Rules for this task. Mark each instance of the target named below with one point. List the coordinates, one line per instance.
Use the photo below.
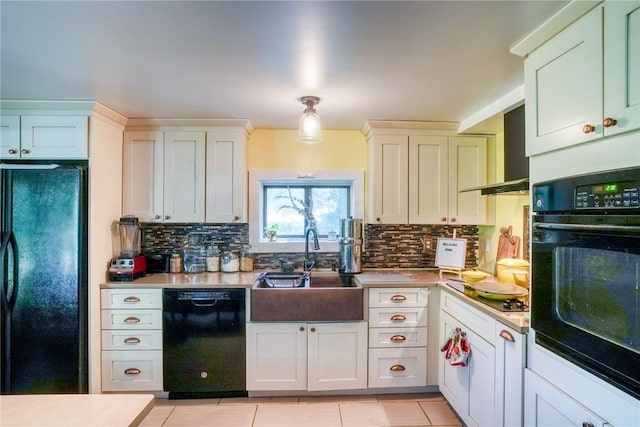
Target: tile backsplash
(385, 246)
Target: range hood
(516, 164)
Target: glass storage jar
(229, 262)
(213, 259)
(246, 258)
(194, 254)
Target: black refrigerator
(43, 274)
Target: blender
(129, 264)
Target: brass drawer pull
(398, 317)
(398, 298)
(506, 335)
(132, 299)
(397, 368)
(131, 319)
(132, 340)
(398, 338)
(132, 371)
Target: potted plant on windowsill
(271, 233)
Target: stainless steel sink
(278, 280)
(316, 296)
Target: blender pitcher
(129, 237)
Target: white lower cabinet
(131, 339)
(488, 391)
(397, 337)
(306, 356)
(547, 405)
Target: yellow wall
(270, 149)
(508, 212)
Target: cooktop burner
(506, 305)
(509, 305)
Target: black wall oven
(585, 290)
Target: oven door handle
(587, 227)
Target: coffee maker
(128, 264)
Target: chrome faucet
(308, 264)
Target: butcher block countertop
(69, 410)
(367, 279)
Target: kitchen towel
(457, 349)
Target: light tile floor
(397, 410)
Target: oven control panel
(609, 195)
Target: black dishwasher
(204, 343)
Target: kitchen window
(278, 200)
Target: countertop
(366, 279)
(99, 410)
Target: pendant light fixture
(309, 127)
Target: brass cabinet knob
(453, 220)
(301, 328)
(378, 219)
(609, 122)
(13, 151)
(588, 128)
(167, 217)
(157, 217)
(313, 329)
(25, 151)
(443, 219)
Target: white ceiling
(384, 60)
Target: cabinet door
(143, 175)
(337, 356)
(428, 175)
(467, 168)
(226, 177)
(545, 405)
(54, 137)
(453, 381)
(9, 137)
(184, 176)
(563, 87)
(388, 184)
(622, 66)
(471, 389)
(276, 356)
(510, 362)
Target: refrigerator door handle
(28, 166)
(9, 291)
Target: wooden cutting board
(508, 247)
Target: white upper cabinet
(388, 179)
(226, 177)
(143, 170)
(583, 84)
(185, 173)
(44, 137)
(164, 176)
(622, 66)
(415, 177)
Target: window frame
(258, 179)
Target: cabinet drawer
(132, 319)
(395, 367)
(398, 337)
(127, 298)
(474, 319)
(145, 339)
(132, 370)
(398, 297)
(397, 317)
